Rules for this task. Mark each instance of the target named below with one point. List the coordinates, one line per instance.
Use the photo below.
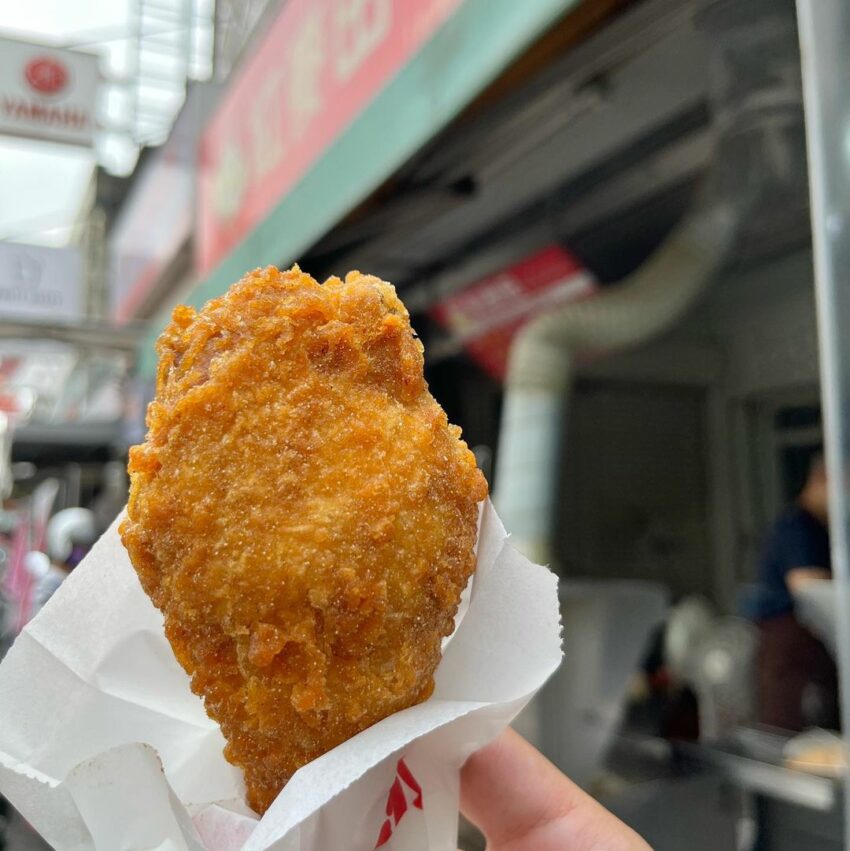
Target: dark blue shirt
(797, 539)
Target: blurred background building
(598, 216)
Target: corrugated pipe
(541, 359)
(756, 107)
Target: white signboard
(47, 92)
(42, 284)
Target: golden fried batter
(302, 513)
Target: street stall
(602, 233)
(618, 228)
(678, 451)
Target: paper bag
(103, 746)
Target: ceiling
(600, 150)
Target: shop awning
(454, 49)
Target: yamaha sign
(47, 93)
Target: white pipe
(539, 371)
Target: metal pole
(824, 27)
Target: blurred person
(797, 678)
(521, 802)
(46, 575)
(7, 526)
(70, 534)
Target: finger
(520, 801)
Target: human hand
(521, 802)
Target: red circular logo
(46, 75)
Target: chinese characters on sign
(319, 66)
(487, 314)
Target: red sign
(320, 64)
(487, 314)
(47, 92)
(404, 786)
(46, 75)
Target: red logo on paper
(397, 801)
(46, 75)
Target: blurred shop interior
(605, 246)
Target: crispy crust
(302, 514)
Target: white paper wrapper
(103, 746)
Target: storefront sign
(158, 215)
(42, 284)
(47, 93)
(486, 315)
(151, 228)
(319, 66)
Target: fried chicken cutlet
(302, 513)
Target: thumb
(520, 801)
